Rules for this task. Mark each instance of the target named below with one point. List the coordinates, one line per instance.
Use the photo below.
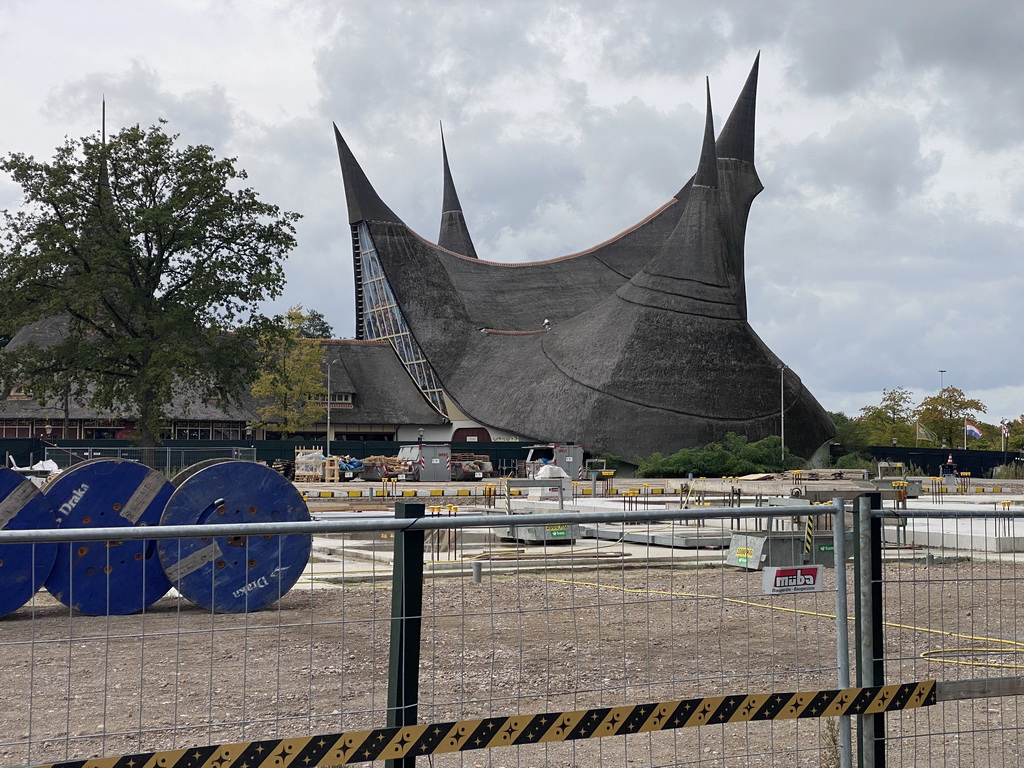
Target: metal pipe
(842, 628)
(866, 655)
(376, 524)
(782, 411)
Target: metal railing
(169, 461)
(382, 634)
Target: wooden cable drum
(235, 574)
(23, 566)
(103, 578)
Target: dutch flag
(971, 430)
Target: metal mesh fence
(952, 588)
(169, 461)
(513, 627)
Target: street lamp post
(782, 411)
(327, 450)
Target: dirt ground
(522, 641)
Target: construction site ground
(76, 706)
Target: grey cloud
(874, 157)
(136, 95)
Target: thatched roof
(382, 391)
(648, 348)
(454, 234)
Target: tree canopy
(315, 326)
(291, 383)
(937, 421)
(149, 260)
(945, 413)
(891, 420)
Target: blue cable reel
(234, 574)
(23, 566)
(103, 578)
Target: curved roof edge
(364, 204)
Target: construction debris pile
(392, 464)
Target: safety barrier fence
(169, 461)
(592, 649)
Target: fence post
(406, 618)
(842, 628)
(869, 622)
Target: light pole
(327, 450)
(941, 372)
(782, 410)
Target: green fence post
(406, 618)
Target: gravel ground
(522, 642)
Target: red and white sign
(792, 579)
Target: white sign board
(792, 579)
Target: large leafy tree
(944, 414)
(315, 326)
(289, 387)
(892, 419)
(149, 258)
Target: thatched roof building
(640, 344)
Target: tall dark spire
(707, 168)
(105, 197)
(689, 273)
(454, 234)
(737, 139)
(363, 202)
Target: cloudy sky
(885, 247)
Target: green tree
(852, 438)
(288, 389)
(150, 259)
(1015, 440)
(315, 326)
(891, 420)
(944, 414)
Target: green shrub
(734, 456)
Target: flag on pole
(1005, 424)
(923, 433)
(971, 430)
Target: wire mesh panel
(170, 461)
(537, 621)
(953, 585)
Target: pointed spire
(105, 198)
(737, 139)
(363, 202)
(454, 234)
(451, 197)
(707, 168)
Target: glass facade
(382, 319)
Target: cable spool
(102, 578)
(190, 470)
(23, 567)
(235, 574)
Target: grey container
(755, 551)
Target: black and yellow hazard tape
(466, 735)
